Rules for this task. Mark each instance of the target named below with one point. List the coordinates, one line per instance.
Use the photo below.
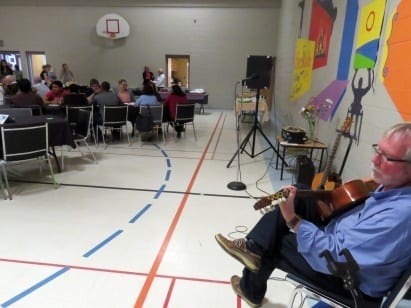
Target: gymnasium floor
(137, 228)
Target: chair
(114, 118)
(72, 113)
(185, 115)
(306, 289)
(17, 112)
(83, 130)
(157, 118)
(33, 144)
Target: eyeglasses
(386, 158)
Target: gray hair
(403, 130)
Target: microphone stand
(237, 185)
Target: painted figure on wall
(359, 91)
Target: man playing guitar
(292, 236)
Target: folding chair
(19, 112)
(305, 289)
(114, 118)
(83, 130)
(24, 143)
(72, 113)
(156, 112)
(184, 116)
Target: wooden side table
(304, 146)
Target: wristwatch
(293, 222)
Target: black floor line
(135, 189)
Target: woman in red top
(177, 96)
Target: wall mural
(303, 67)
(396, 54)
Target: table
(250, 106)
(309, 145)
(59, 131)
(199, 98)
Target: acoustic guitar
(326, 180)
(334, 202)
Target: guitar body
(331, 183)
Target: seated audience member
(94, 89)
(10, 88)
(39, 87)
(292, 236)
(104, 98)
(5, 69)
(26, 97)
(147, 74)
(55, 95)
(148, 96)
(160, 81)
(124, 93)
(176, 96)
(74, 98)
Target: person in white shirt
(39, 87)
(160, 81)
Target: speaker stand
(252, 133)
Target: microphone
(253, 76)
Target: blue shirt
(147, 100)
(377, 233)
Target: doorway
(35, 62)
(178, 70)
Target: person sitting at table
(176, 96)
(94, 89)
(148, 97)
(74, 97)
(104, 98)
(26, 97)
(39, 87)
(10, 88)
(124, 93)
(55, 95)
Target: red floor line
(170, 291)
(107, 270)
(154, 268)
(219, 135)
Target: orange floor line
(154, 268)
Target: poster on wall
(369, 33)
(321, 27)
(303, 63)
(397, 64)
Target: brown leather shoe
(235, 284)
(238, 249)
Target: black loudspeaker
(304, 170)
(259, 72)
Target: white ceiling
(148, 3)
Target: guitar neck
(330, 161)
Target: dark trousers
(279, 247)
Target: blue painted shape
(103, 243)
(347, 41)
(168, 161)
(157, 195)
(138, 215)
(168, 175)
(35, 287)
(369, 49)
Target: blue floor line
(35, 287)
(98, 246)
(168, 162)
(137, 216)
(168, 175)
(157, 195)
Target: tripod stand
(252, 133)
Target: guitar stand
(252, 133)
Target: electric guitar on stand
(326, 180)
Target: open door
(178, 70)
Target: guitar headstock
(267, 204)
